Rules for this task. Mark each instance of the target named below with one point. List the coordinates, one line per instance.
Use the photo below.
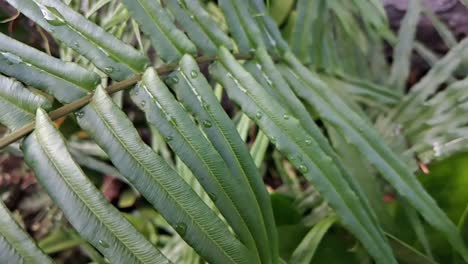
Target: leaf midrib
(84, 201)
(169, 194)
(358, 219)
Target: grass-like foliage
(323, 110)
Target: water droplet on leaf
(194, 74)
(52, 15)
(259, 115)
(181, 228)
(103, 243)
(213, 197)
(79, 114)
(11, 58)
(286, 117)
(303, 169)
(109, 69)
(207, 123)
(273, 140)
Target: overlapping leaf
(229, 192)
(15, 244)
(168, 40)
(197, 96)
(64, 80)
(360, 133)
(85, 207)
(18, 104)
(160, 184)
(109, 54)
(285, 131)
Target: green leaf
(159, 183)
(230, 193)
(18, 104)
(64, 80)
(272, 81)
(271, 34)
(285, 131)
(280, 9)
(15, 244)
(170, 43)
(59, 240)
(408, 109)
(109, 54)
(199, 26)
(307, 12)
(360, 133)
(373, 92)
(197, 96)
(196, 33)
(402, 54)
(408, 254)
(243, 27)
(84, 206)
(306, 249)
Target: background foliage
(361, 160)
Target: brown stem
(118, 86)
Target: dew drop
(194, 74)
(192, 17)
(308, 141)
(175, 79)
(52, 15)
(213, 197)
(79, 114)
(12, 58)
(76, 44)
(303, 169)
(181, 228)
(106, 260)
(286, 117)
(207, 123)
(143, 103)
(109, 69)
(273, 140)
(169, 138)
(259, 115)
(103, 243)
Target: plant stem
(111, 89)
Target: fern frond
(159, 183)
(109, 54)
(64, 80)
(15, 244)
(286, 133)
(18, 104)
(85, 207)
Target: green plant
(213, 195)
